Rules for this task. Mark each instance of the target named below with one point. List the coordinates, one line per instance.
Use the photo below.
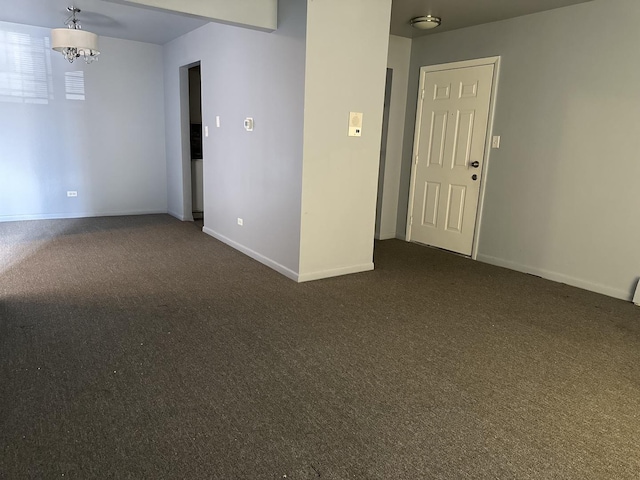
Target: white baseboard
(307, 277)
(179, 216)
(387, 235)
(556, 277)
(62, 216)
(287, 272)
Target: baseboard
(557, 277)
(307, 277)
(62, 216)
(287, 272)
(387, 235)
(179, 216)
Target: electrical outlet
(240, 222)
(72, 193)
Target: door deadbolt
(475, 164)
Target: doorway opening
(383, 151)
(195, 143)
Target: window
(25, 68)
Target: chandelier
(73, 42)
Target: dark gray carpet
(139, 347)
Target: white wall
(562, 192)
(345, 71)
(261, 14)
(107, 143)
(398, 59)
(255, 176)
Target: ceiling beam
(259, 14)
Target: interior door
(451, 130)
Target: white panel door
(451, 130)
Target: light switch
(206, 131)
(496, 142)
(248, 124)
(355, 124)
(217, 121)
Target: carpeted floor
(139, 347)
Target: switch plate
(217, 121)
(248, 124)
(72, 193)
(206, 131)
(240, 222)
(355, 124)
(496, 142)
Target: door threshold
(442, 249)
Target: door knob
(474, 177)
(475, 164)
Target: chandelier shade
(73, 42)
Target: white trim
(335, 272)
(487, 156)
(287, 272)
(416, 136)
(253, 254)
(495, 61)
(62, 216)
(185, 140)
(387, 235)
(476, 62)
(556, 277)
(179, 216)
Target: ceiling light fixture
(426, 22)
(73, 42)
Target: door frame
(386, 114)
(185, 140)
(495, 61)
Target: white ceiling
(464, 13)
(114, 19)
(103, 18)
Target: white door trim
(487, 150)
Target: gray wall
(97, 129)
(345, 71)
(562, 192)
(398, 59)
(255, 176)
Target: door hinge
(416, 160)
(422, 94)
(410, 220)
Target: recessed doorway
(195, 142)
